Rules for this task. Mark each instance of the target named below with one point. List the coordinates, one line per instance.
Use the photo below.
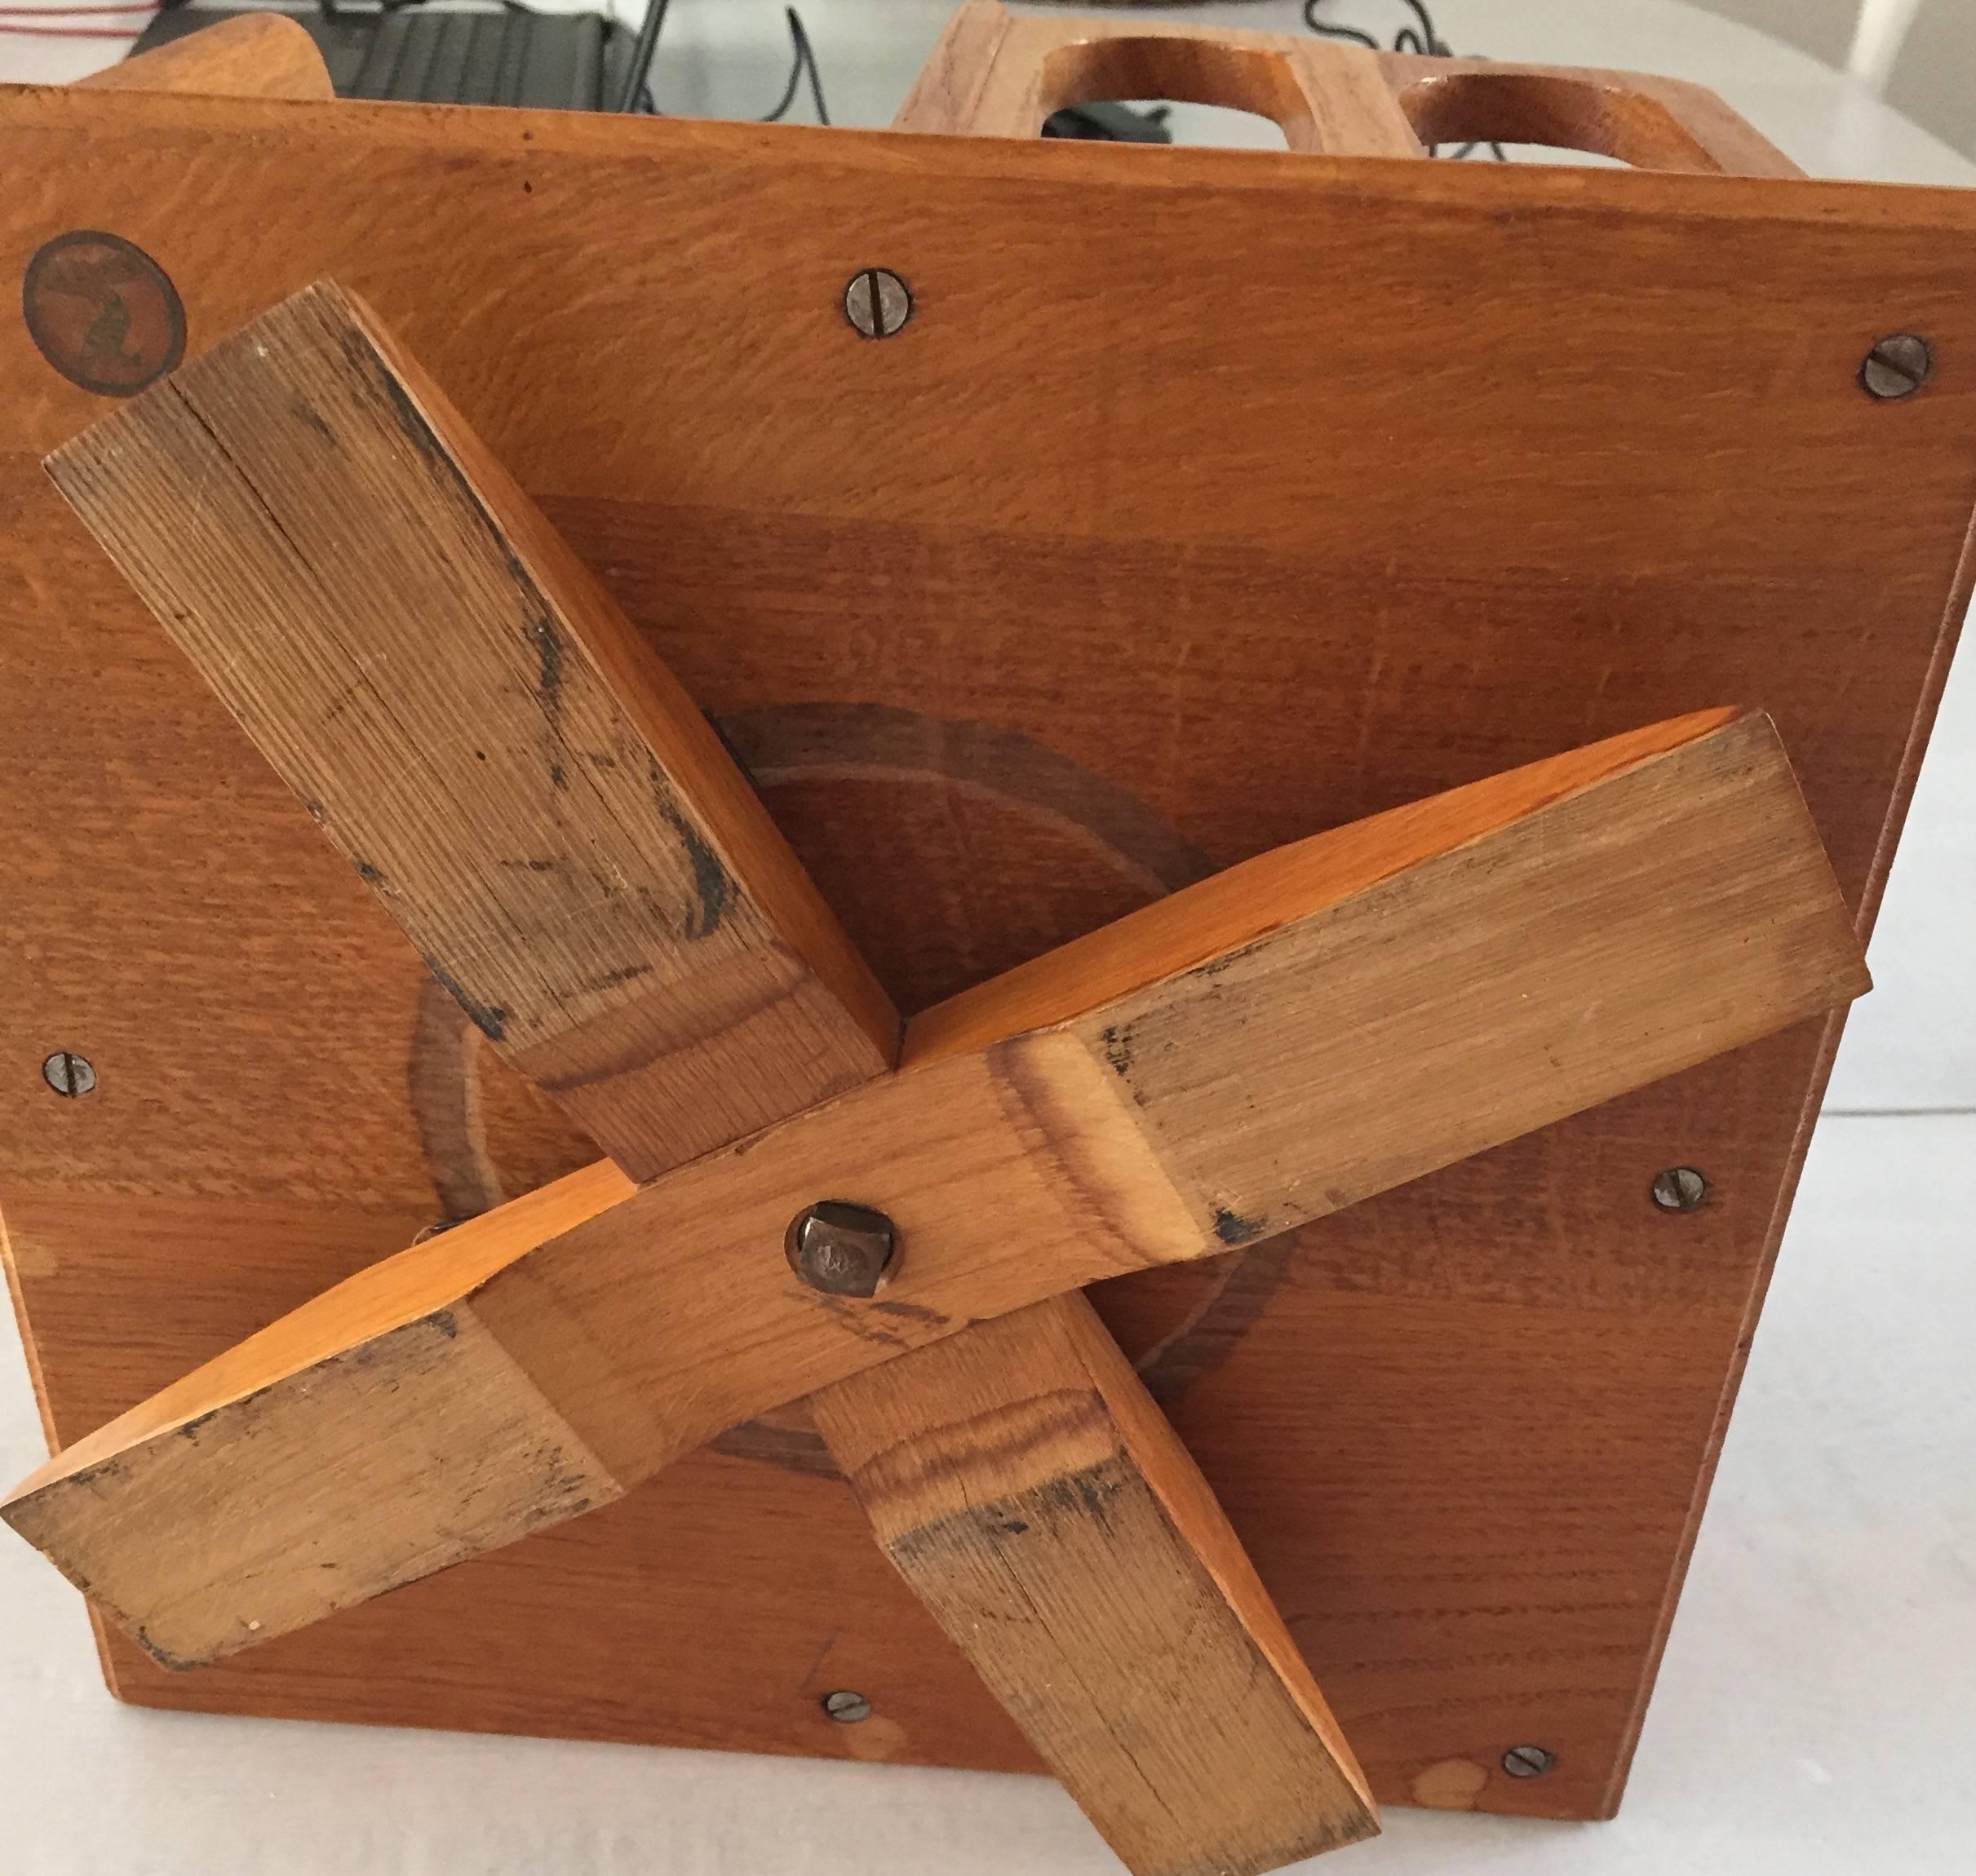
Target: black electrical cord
(805, 61)
(1423, 39)
(638, 92)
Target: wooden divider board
(1210, 499)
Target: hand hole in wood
(1567, 112)
(1186, 71)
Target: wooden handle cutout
(1566, 113)
(1652, 123)
(1188, 71)
(996, 74)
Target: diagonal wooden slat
(1043, 1472)
(543, 809)
(1301, 1032)
(469, 717)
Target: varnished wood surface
(999, 74)
(254, 56)
(1630, 478)
(1647, 121)
(1404, 995)
(1051, 1520)
(535, 799)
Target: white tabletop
(1816, 1714)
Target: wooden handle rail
(999, 74)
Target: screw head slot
(69, 1074)
(877, 302)
(1679, 1188)
(1898, 366)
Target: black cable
(805, 61)
(1427, 42)
(1355, 34)
(640, 93)
(1423, 39)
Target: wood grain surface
(1191, 515)
(252, 55)
(472, 720)
(538, 802)
(994, 73)
(1265, 1048)
(1050, 1506)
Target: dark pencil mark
(489, 1018)
(710, 883)
(549, 655)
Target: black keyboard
(558, 61)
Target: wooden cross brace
(544, 810)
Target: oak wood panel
(255, 55)
(1048, 1505)
(321, 432)
(1522, 950)
(1046, 614)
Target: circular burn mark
(102, 312)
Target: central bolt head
(841, 1248)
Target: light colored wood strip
(1249, 901)
(1608, 931)
(252, 56)
(945, 95)
(475, 724)
(1052, 1521)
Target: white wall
(1934, 76)
(1824, 28)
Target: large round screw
(69, 1074)
(1679, 1188)
(846, 1707)
(877, 302)
(1528, 1761)
(841, 1248)
(1897, 366)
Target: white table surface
(1816, 1713)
